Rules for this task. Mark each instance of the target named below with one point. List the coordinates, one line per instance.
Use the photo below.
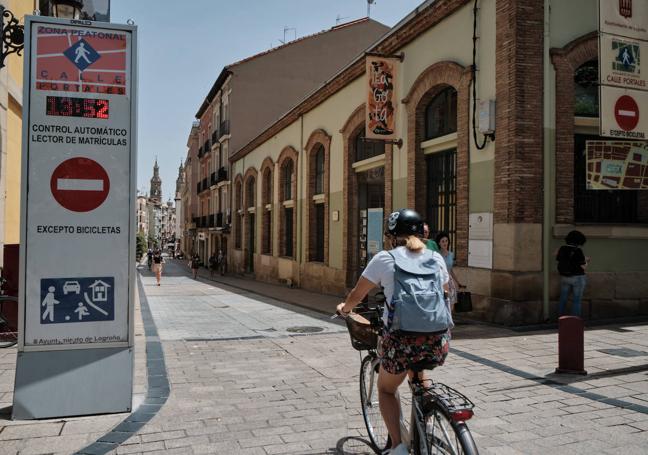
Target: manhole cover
(624, 352)
(304, 329)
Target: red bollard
(571, 345)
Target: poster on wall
(617, 165)
(380, 121)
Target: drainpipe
(299, 214)
(548, 140)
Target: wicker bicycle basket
(364, 335)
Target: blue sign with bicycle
(66, 300)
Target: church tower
(179, 180)
(156, 184)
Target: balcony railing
(224, 127)
(219, 220)
(203, 221)
(199, 187)
(196, 221)
(207, 146)
(205, 184)
(200, 152)
(222, 174)
(212, 220)
(215, 136)
(213, 180)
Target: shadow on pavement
(353, 445)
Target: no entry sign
(621, 113)
(80, 184)
(626, 112)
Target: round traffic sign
(80, 184)
(626, 112)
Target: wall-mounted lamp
(13, 35)
(67, 9)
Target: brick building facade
(507, 202)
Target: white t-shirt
(380, 269)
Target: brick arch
(267, 197)
(317, 137)
(288, 153)
(428, 84)
(250, 173)
(566, 61)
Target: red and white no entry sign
(80, 184)
(626, 112)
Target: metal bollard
(571, 345)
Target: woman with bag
(443, 240)
(195, 265)
(158, 260)
(401, 348)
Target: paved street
(245, 379)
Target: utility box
(486, 116)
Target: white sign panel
(624, 113)
(627, 18)
(620, 62)
(480, 254)
(77, 218)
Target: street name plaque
(77, 272)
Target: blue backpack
(418, 305)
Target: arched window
(238, 195)
(266, 241)
(441, 114)
(287, 171)
(365, 149)
(595, 206)
(586, 90)
(319, 170)
(251, 193)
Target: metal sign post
(77, 253)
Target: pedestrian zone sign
(77, 257)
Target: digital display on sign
(65, 106)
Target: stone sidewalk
(236, 389)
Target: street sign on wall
(624, 113)
(78, 177)
(627, 18)
(621, 62)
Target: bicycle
(438, 411)
(8, 334)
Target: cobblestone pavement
(243, 383)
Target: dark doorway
(250, 243)
(441, 204)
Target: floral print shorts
(399, 351)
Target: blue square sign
(82, 54)
(67, 300)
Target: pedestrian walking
(149, 258)
(213, 265)
(412, 333)
(443, 241)
(222, 262)
(158, 260)
(572, 263)
(195, 265)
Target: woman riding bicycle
(398, 349)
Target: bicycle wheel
(8, 337)
(370, 409)
(443, 436)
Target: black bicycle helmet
(405, 222)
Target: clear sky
(184, 44)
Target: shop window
(441, 114)
(366, 148)
(586, 89)
(599, 206)
(288, 232)
(442, 194)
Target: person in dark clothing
(571, 266)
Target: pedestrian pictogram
(82, 54)
(80, 184)
(626, 112)
(95, 300)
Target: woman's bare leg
(389, 406)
